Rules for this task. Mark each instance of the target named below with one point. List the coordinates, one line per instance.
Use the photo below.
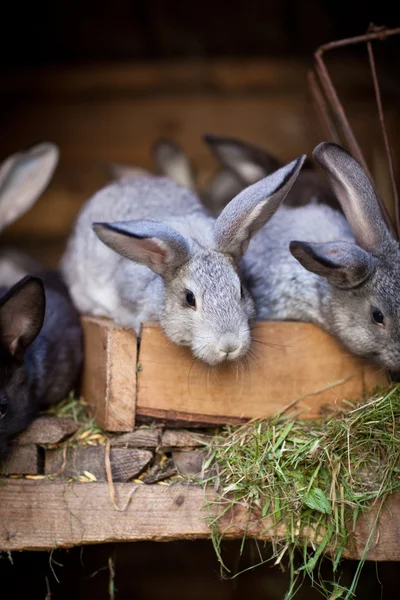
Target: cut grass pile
(315, 478)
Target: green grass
(314, 477)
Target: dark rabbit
(40, 351)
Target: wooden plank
(172, 438)
(125, 463)
(22, 460)
(47, 430)
(109, 377)
(297, 362)
(233, 75)
(140, 438)
(67, 515)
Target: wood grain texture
(297, 362)
(109, 377)
(44, 515)
(125, 463)
(47, 430)
(140, 438)
(22, 460)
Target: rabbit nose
(228, 345)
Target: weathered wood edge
(41, 515)
(173, 418)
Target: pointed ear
(172, 161)
(148, 243)
(249, 162)
(22, 312)
(345, 265)
(252, 208)
(355, 193)
(224, 186)
(23, 177)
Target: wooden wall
(106, 113)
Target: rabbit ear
(118, 171)
(249, 162)
(345, 265)
(224, 186)
(22, 312)
(252, 208)
(23, 177)
(173, 162)
(149, 243)
(355, 193)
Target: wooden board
(296, 363)
(109, 378)
(67, 515)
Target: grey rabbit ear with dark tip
(355, 193)
(22, 312)
(173, 162)
(249, 162)
(252, 208)
(23, 177)
(149, 243)
(345, 265)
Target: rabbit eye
(190, 299)
(377, 316)
(3, 404)
(241, 292)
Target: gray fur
(184, 250)
(329, 280)
(23, 177)
(171, 160)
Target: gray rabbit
(345, 277)
(171, 160)
(23, 178)
(182, 268)
(40, 351)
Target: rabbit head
(205, 306)
(363, 279)
(23, 177)
(22, 311)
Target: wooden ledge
(293, 366)
(40, 515)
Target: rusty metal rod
(321, 108)
(385, 138)
(338, 110)
(339, 113)
(379, 33)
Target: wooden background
(103, 80)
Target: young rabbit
(40, 351)
(181, 268)
(346, 277)
(248, 163)
(172, 161)
(23, 178)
